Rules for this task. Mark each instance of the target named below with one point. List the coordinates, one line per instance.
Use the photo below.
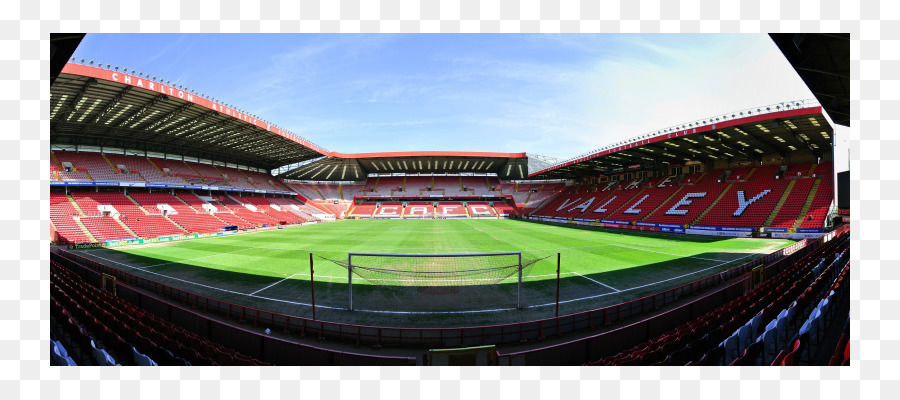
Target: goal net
(435, 282)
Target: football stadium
(187, 231)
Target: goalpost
(437, 282)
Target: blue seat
(791, 319)
(755, 323)
(60, 348)
(825, 307)
(142, 360)
(58, 354)
(770, 345)
(101, 356)
(745, 337)
(781, 328)
(771, 325)
(730, 346)
(814, 330)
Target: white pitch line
(260, 290)
(192, 259)
(216, 288)
(643, 286)
(597, 282)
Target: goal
(436, 282)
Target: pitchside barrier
(514, 333)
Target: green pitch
(271, 270)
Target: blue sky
(557, 95)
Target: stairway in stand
(781, 201)
(138, 205)
(127, 229)
(110, 163)
(716, 201)
(85, 230)
(658, 206)
(186, 203)
(75, 205)
(176, 224)
(807, 204)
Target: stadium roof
(823, 62)
(744, 135)
(339, 166)
(92, 106)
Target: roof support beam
(70, 106)
(146, 107)
(187, 124)
(168, 117)
(112, 104)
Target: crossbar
(436, 255)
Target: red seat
(791, 358)
(223, 358)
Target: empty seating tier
(479, 209)
(450, 209)
(746, 204)
(151, 226)
(365, 209)
(686, 205)
(61, 215)
(105, 228)
(418, 209)
(818, 210)
(790, 210)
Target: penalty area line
(260, 290)
(217, 288)
(597, 282)
(643, 286)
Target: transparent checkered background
(24, 196)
